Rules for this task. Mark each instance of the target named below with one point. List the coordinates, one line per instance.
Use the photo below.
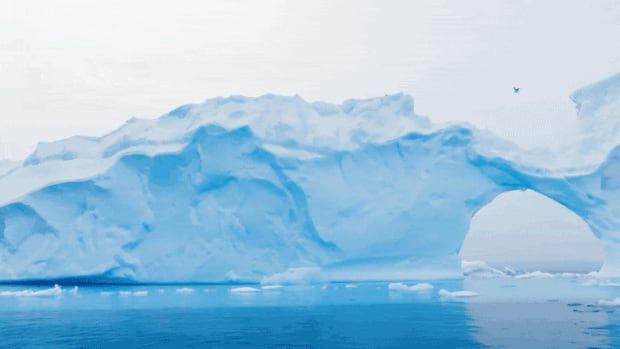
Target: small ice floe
(73, 291)
(324, 287)
(609, 302)
(457, 294)
(49, 292)
(161, 290)
(421, 287)
(350, 286)
(207, 290)
(271, 287)
(124, 293)
(244, 290)
(106, 293)
(184, 290)
(140, 293)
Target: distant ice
(184, 290)
(535, 275)
(350, 286)
(609, 303)
(244, 290)
(421, 287)
(50, 292)
(127, 293)
(457, 294)
(296, 276)
(480, 269)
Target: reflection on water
(510, 313)
(539, 325)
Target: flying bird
(516, 89)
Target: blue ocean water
(546, 313)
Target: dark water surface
(508, 314)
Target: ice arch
(529, 231)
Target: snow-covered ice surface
(278, 190)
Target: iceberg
(276, 190)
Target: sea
(537, 312)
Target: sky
(528, 231)
(84, 67)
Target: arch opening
(525, 231)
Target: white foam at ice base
(50, 292)
(609, 303)
(184, 290)
(421, 287)
(457, 294)
(244, 290)
(350, 286)
(271, 287)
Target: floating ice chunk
(124, 293)
(421, 287)
(161, 290)
(350, 286)
(72, 291)
(50, 292)
(271, 287)
(457, 294)
(184, 290)
(244, 290)
(106, 293)
(140, 293)
(609, 302)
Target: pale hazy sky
(84, 67)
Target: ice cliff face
(220, 209)
(598, 108)
(242, 188)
